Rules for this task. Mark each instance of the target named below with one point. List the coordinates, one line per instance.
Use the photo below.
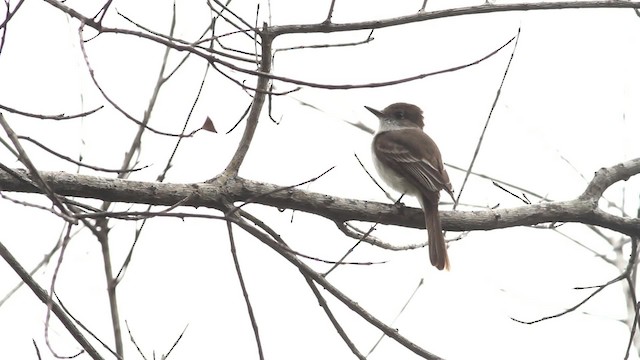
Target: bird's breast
(392, 178)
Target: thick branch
(582, 210)
(606, 177)
(256, 109)
(326, 27)
(329, 27)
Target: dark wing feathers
(401, 148)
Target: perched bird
(409, 161)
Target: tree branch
(582, 210)
(326, 27)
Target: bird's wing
(401, 149)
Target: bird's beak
(375, 112)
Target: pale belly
(392, 178)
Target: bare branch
(354, 306)
(44, 297)
(33, 171)
(334, 208)
(133, 341)
(599, 288)
(321, 300)
(606, 177)
(486, 124)
(175, 343)
(330, 14)
(324, 46)
(420, 16)
(256, 108)
(50, 117)
(83, 327)
(355, 233)
(267, 32)
(8, 16)
(404, 307)
(143, 123)
(332, 318)
(81, 164)
(245, 293)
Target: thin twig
(332, 318)
(108, 98)
(44, 298)
(245, 293)
(374, 179)
(330, 14)
(51, 117)
(633, 330)
(415, 291)
(599, 288)
(35, 174)
(45, 260)
(134, 342)
(486, 124)
(175, 343)
(355, 233)
(354, 306)
(280, 189)
(83, 327)
(81, 164)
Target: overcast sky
(567, 108)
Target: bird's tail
(437, 246)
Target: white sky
(571, 93)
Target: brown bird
(409, 161)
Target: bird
(409, 161)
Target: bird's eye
(399, 114)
